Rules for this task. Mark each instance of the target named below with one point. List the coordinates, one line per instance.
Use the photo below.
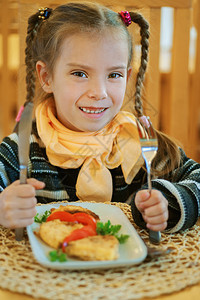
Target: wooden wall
(172, 99)
(9, 26)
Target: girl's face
(89, 80)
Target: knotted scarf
(96, 152)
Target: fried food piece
(54, 232)
(96, 247)
(74, 209)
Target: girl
(82, 145)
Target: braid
(33, 24)
(144, 33)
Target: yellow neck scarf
(115, 144)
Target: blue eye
(115, 75)
(79, 74)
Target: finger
(18, 217)
(21, 223)
(157, 219)
(19, 203)
(140, 197)
(156, 210)
(26, 213)
(15, 183)
(155, 199)
(27, 203)
(31, 181)
(36, 183)
(24, 191)
(17, 196)
(157, 227)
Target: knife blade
(24, 131)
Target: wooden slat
(179, 102)
(152, 106)
(4, 71)
(164, 102)
(8, 97)
(194, 107)
(133, 3)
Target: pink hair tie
(126, 18)
(145, 121)
(19, 113)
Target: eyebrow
(89, 68)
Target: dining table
(174, 275)
(186, 294)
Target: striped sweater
(181, 188)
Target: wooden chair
(172, 112)
(8, 80)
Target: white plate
(132, 252)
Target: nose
(97, 90)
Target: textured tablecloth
(20, 272)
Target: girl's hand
(154, 209)
(17, 203)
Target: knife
(24, 131)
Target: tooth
(92, 111)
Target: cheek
(119, 94)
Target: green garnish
(108, 228)
(122, 238)
(42, 218)
(57, 255)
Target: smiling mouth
(92, 110)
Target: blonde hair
(45, 37)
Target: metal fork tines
(149, 146)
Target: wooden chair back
(173, 107)
(8, 76)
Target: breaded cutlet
(54, 232)
(98, 247)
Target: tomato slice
(82, 218)
(78, 234)
(89, 222)
(86, 219)
(62, 216)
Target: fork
(149, 146)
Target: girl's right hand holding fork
(154, 209)
(18, 203)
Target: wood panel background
(171, 99)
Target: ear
(129, 72)
(43, 76)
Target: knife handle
(19, 232)
(23, 174)
(154, 237)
